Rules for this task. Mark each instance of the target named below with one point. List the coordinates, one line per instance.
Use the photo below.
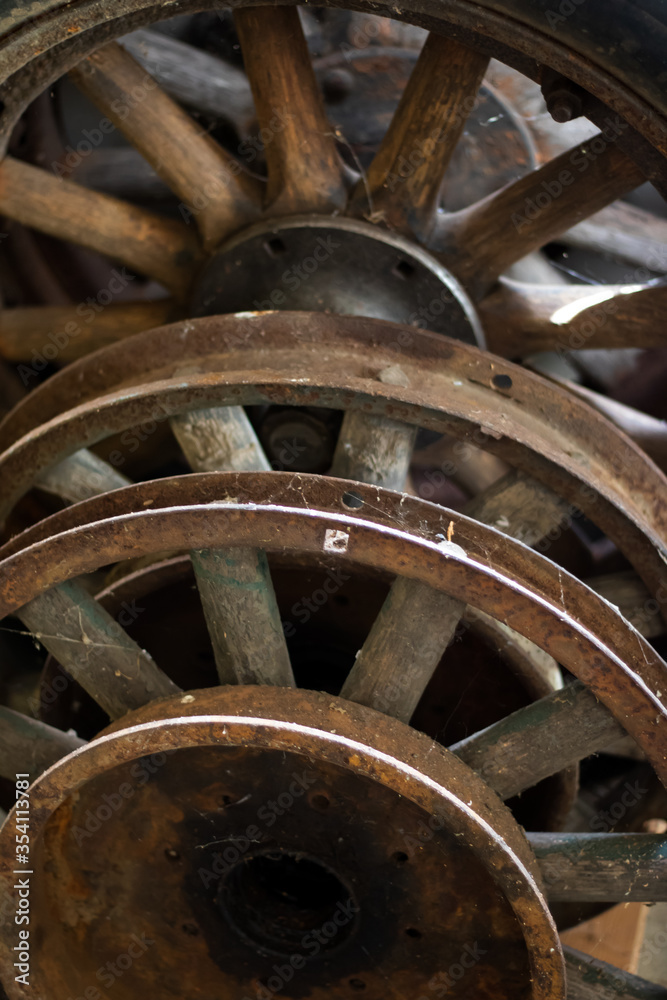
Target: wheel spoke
(159, 248)
(537, 741)
(220, 440)
(602, 867)
(590, 979)
(76, 331)
(521, 319)
(242, 617)
(194, 78)
(374, 450)
(397, 661)
(95, 650)
(304, 169)
(404, 180)
(27, 745)
(235, 585)
(210, 182)
(481, 242)
(519, 506)
(81, 476)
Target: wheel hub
(335, 265)
(286, 856)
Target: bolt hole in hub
(336, 265)
(273, 900)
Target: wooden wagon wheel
(398, 195)
(619, 689)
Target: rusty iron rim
(459, 390)
(622, 670)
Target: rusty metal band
(337, 362)
(560, 615)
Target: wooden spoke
(242, 617)
(81, 476)
(95, 650)
(404, 180)
(76, 330)
(590, 979)
(220, 440)
(479, 243)
(602, 867)
(632, 234)
(519, 506)
(194, 78)
(374, 450)
(210, 182)
(235, 586)
(405, 645)
(521, 319)
(540, 740)
(304, 169)
(159, 248)
(395, 664)
(27, 745)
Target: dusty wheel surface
(333, 316)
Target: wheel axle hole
(353, 500)
(273, 900)
(413, 933)
(275, 247)
(399, 858)
(403, 269)
(502, 381)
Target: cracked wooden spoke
(81, 476)
(590, 979)
(539, 740)
(374, 450)
(235, 585)
(159, 248)
(403, 182)
(29, 745)
(602, 867)
(210, 182)
(220, 440)
(95, 650)
(397, 661)
(520, 319)
(479, 243)
(304, 169)
(76, 330)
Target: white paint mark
(336, 541)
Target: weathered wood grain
(540, 740)
(95, 650)
(602, 867)
(160, 248)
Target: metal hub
(335, 265)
